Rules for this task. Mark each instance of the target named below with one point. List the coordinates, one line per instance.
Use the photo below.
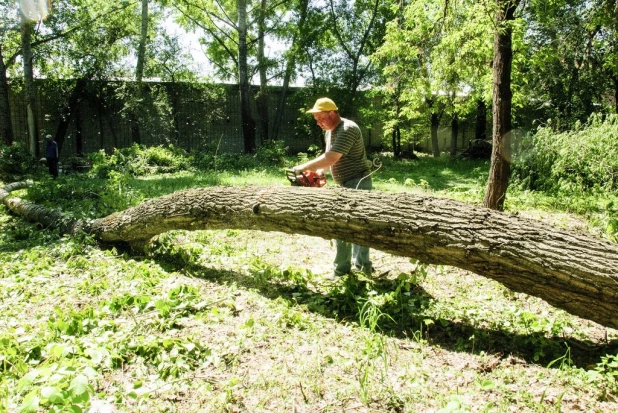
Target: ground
(282, 356)
(245, 321)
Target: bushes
(271, 153)
(582, 159)
(16, 162)
(139, 160)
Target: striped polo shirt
(347, 139)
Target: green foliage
(605, 374)
(270, 154)
(431, 53)
(174, 248)
(16, 162)
(139, 160)
(12, 360)
(84, 324)
(578, 160)
(554, 82)
(55, 388)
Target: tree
(575, 272)
(500, 169)
(136, 115)
(439, 50)
(71, 47)
(79, 45)
(298, 36)
(569, 61)
(30, 92)
(248, 124)
(232, 35)
(6, 130)
(9, 19)
(358, 28)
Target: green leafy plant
(584, 158)
(605, 373)
(16, 162)
(56, 388)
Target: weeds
(227, 320)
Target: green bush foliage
(582, 159)
(139, 160)
(269, 154)
(16, 162)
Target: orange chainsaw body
(306, 178)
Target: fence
(191, 116)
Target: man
(345, 156)
(51, 155)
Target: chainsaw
(306, 178)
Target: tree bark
(70, 110)
(454, 133)
(572, 271)
(500, 168)
(290, 66)
(248, 124)
(435, 145)
(33, 129)
(616, 90)
(263, 106)
(136, 116)
(396, 137)
(481, 120)
(6, 127)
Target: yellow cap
(323, 105)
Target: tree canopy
(428, 62)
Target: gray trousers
(348, 252)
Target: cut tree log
(572, 271)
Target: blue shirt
(51, 151)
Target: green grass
(213, 321)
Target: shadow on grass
(404, 317)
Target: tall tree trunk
(435, 145)
(290, 66)
(69, 111)
(33, 128)
(137, 114)
(454, 134)
(357, 74)
(102, 137)
(616, 89)
(481, 120)
(79, 136)
(248, 124)
(500, 168)
(174, 93)
(262, 66)
(143, 39)
(572, 271)
(396, 137)
(6, 127)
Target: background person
(51, 155)
(346, 157)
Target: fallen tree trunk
(572, 271)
